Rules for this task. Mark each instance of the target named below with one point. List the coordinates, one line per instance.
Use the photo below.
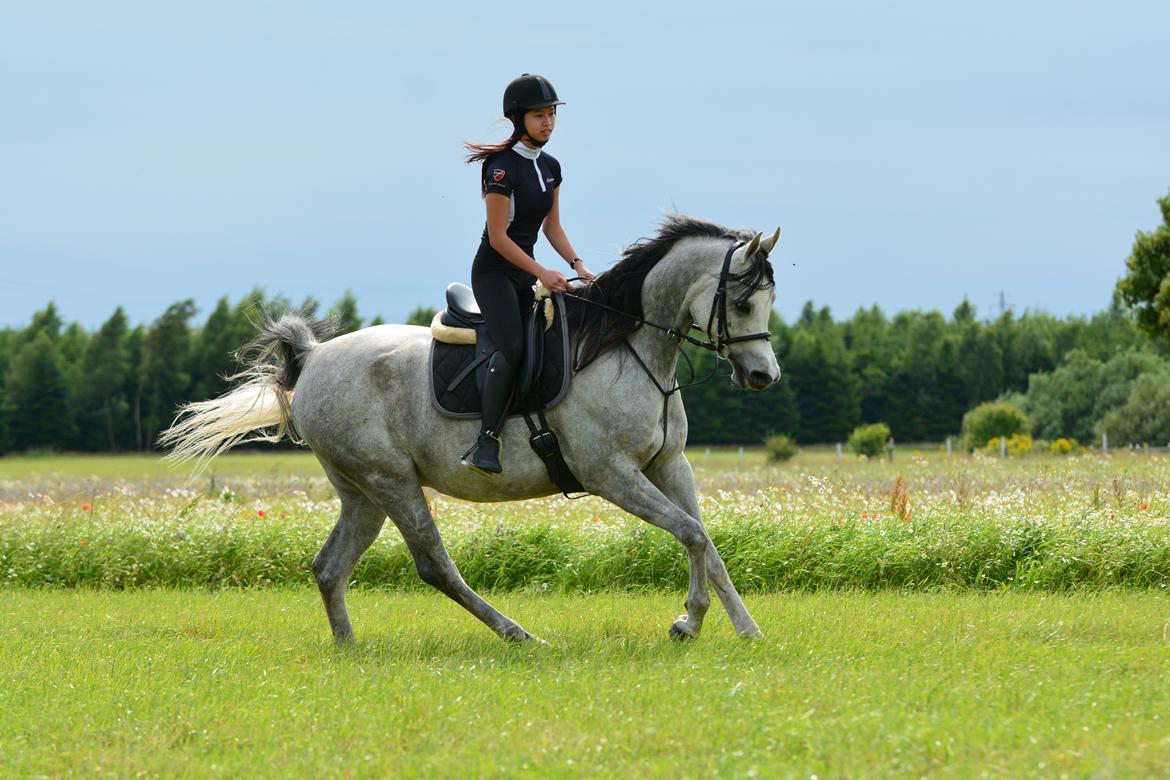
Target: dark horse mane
(595, 329)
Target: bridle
(715, 343)
(719, 313)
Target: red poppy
(86, 508)
(260, 512)
(84, 542)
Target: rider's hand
(583, 272)
(553, 281)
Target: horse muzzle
(753, 378)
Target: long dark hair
(597, 329)
(481, 153)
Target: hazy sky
(913, 152)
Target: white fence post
(1003, 446)
(948, 446)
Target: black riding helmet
(527, 92)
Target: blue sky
(913, 152)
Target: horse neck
(667, 294)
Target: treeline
(114, 390)
(920, 372)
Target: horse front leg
(676, 480)
(630, 489)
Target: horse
(361, 402)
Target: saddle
(462, 345)
(460, 348)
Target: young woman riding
(520, 186)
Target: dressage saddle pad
(457, 370)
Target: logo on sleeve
(498, 175)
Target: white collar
(522, 149)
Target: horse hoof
(520, 636)
(752, 633)
(680, 632)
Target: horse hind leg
(358, 526)
(407, 507)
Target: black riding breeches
(503, 300)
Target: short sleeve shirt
(529, 185)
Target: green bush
(991, 420)
(870, 440)
(780, 447)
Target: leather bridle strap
(719, 312)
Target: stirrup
(470, 458)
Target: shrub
(1063, 446)
(780, 447)
(991, 420)
(1017, 444)
(870, 440)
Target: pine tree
(347, 312)
(165, 379)
(37, 402)
(104, 410)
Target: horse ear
(768, 243)
(753, 246)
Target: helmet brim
(542, 104)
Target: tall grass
(918, 523)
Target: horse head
(733, 304)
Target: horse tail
(259, 406)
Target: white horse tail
(259, 407)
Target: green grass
(921, 522)
(246, 684)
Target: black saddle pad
(456, 371)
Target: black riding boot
(484, 455)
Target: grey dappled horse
(362, 403)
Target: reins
(718, 317)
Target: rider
(520, 186)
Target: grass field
(246, 684)
(891, 649)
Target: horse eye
(743, 308)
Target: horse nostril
(760, 379)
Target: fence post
(948, 446)
(1003, 446)
(741, 455)
(838, 452)
(1105, 443)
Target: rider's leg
(496, 398)
(501, 299)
